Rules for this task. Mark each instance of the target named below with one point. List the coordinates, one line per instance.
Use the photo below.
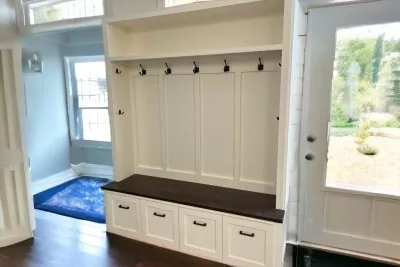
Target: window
(364, 141)
(88, 99)
(169, 3)
(49, 11)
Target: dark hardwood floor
(65, 242)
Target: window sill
(91, 144)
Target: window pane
(91, 84)
(65, 10)
(96, 125)
(364, 141)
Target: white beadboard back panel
(148, 118)
(259, 131)
(180, 123)
(217, 92)
(213, 127)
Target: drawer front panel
(247, 243)
(160, 224)
(201, 233)
(123, 215)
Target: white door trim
(18, 205)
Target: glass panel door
(364, 141)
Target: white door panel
(350, 180)
(15, 205)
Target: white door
(15, 220)
(350, 141)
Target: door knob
(311, 138)
(309, 156)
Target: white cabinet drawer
(160, 224)
(201, 233)
(123, 215)
(247, 243)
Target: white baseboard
(87, 169)
(52, 181)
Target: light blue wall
(100, 156)
(47, 123)
(87, 42)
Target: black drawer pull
(123, 207)
(246, 234)
(200, 223)
(159, 215)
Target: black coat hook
(226, 67)
(143, 72)
(280, 64)
(260, 66)
(168, 71)
(118, 71)
(196, 69)
(120, 112)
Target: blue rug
(80, 198)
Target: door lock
(309, 156)
(311, 139)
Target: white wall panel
(148, 119)
(259, 131)
(217, 93)
(387, 218)
(180, 123)
(347, 214)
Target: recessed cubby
(220, 27)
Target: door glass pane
(364, 139)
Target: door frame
(16, 48)
(305, 147)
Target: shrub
(363, 131)
(368, 150)
(392, 123)
(343, 124)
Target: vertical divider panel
(197, 104)
(180, 123)
(163, 122)
(121, 124)
(238, 123)
(133, 120)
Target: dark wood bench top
(239, 202)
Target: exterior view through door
(350, 141)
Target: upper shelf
(249, 49)
(197, 13)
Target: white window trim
(91, 144)
(70, 105)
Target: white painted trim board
(88, 169)
(52, 181)
(82, 169)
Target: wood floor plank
(66, 242)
